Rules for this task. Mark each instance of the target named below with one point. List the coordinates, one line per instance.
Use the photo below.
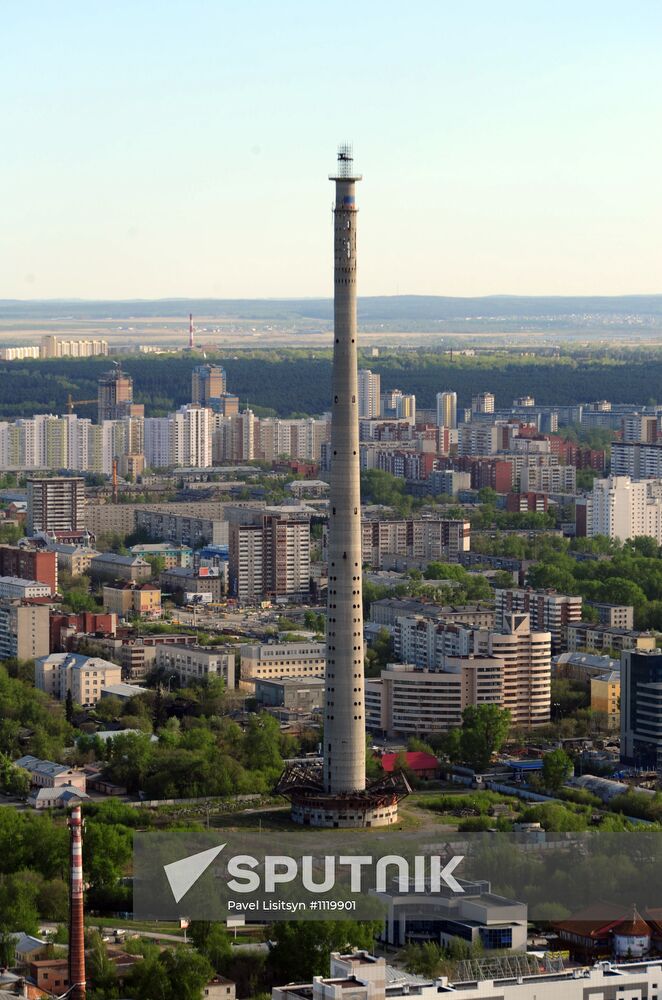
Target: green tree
(484, 731)
(302, 948)
(556, 769)
(101, 972)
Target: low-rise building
(74, 559)
(282, 659)
(305, 694)
(207, 584)
(136, 654)
(127, 599)
(49, 774)
(23, 590)
(110, 566)
(362, 977)
(84, 676)
(387, 610)
(596, 638)
(606, 696)
(614, 615)
(197, 663)
(122, 691)
(172, 555)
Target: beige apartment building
(84, 676)
(197, 663)
(405, 701)
(143, 600)
(282, 659)
(24, 629)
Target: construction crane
(78, 402)
(114, 480)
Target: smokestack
(190, 331)
(76, 924)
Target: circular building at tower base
(374, 806)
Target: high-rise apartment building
(24, 629)
(641, 708)
(190, 441)
(406, 701)
(549, 611)
(56, 504)
(447, 409)
(623, 509)
(640, 428)
(115, 397)
(526, 654)
(208, 382)
(269, 553)
(369, 394)
(482, 402)
(637, 460)
(433, 539)
(527, 657)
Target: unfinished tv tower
(337, 795)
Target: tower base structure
(374, 806)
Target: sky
(158, 148)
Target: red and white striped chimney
(76, 922)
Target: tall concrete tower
(77, 985)
(344, 721)
(335, 794)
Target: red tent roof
(417, 760)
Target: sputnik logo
(183, 874)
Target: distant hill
(376, 309)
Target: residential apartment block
(421, 539)
(84, 676)
(549, 611)
(405, 701)
(24, 629)
(56, 504)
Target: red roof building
(419, 762)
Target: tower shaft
(344, 726)
(76, 916)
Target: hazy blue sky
(181, 147)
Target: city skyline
(160, 151)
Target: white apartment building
(196, 663)
(526, 656)
(191, 437)
(14, 586)
(282, 659)
(158, 442)
(58, 347)
(623, 508)
(548, 479)
(84, 676)
(405, 701)
(369, 394)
